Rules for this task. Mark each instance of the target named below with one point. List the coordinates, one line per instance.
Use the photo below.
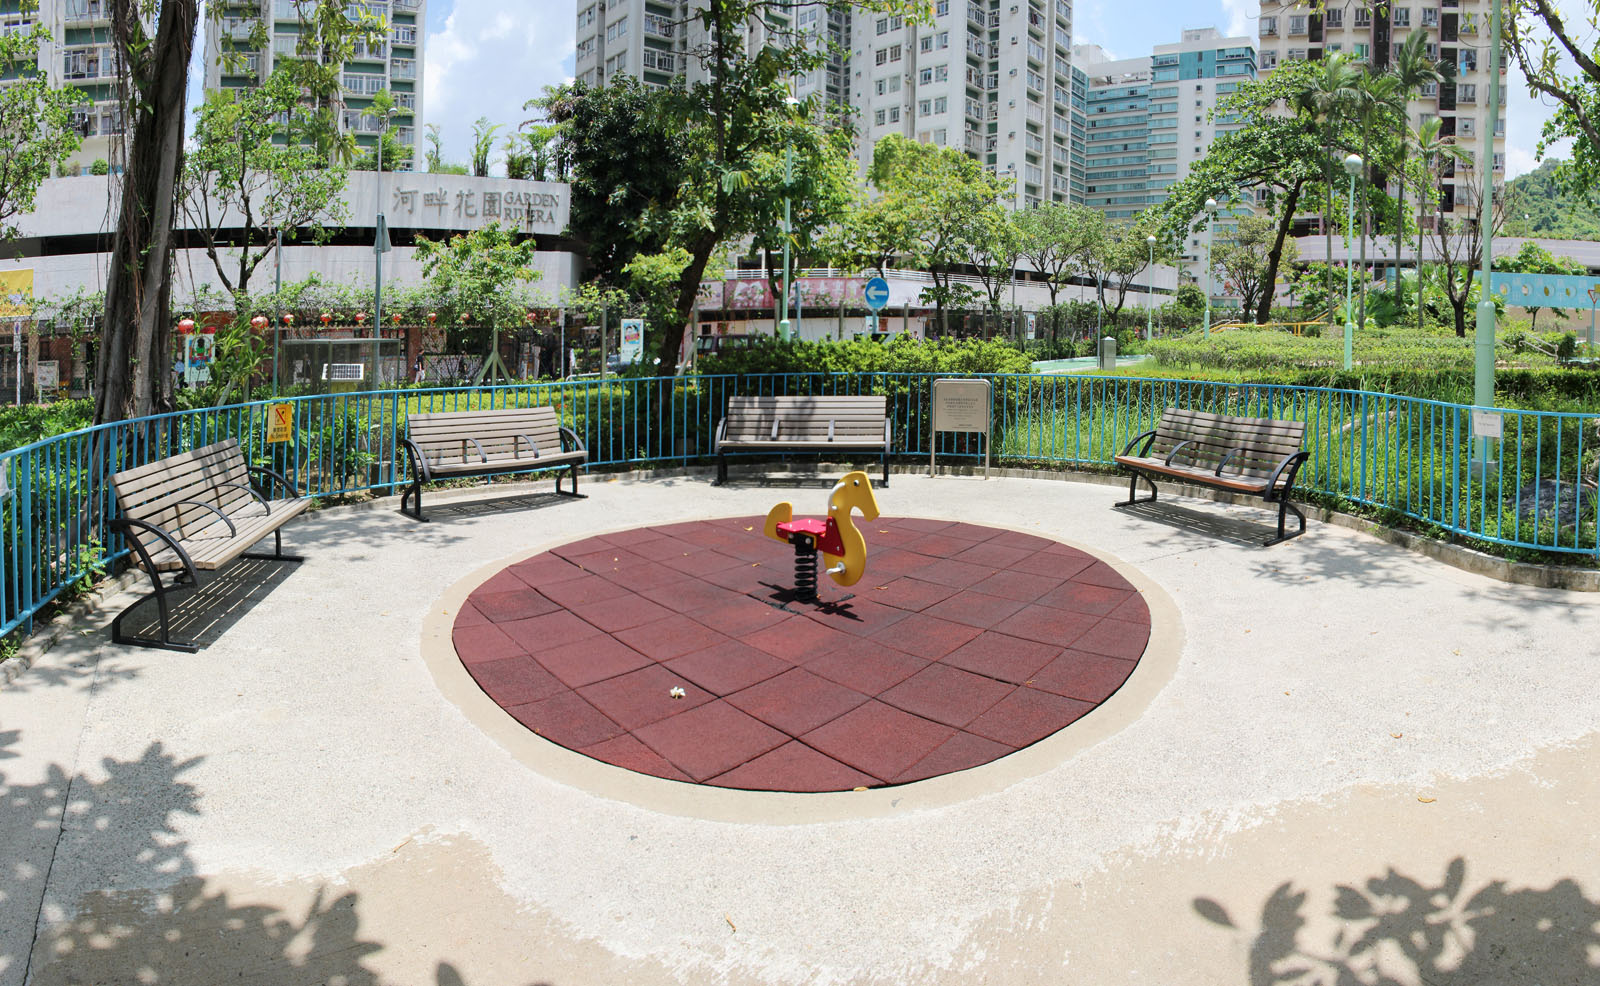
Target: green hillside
(1539, 207)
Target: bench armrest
(888, 435)
(1231, 453)
(127, 525)
(568, 435)
(531, 444)
(1148, 437)
(721, 435)
(420, 470)
(232, 531)
(475, 444)
(265, 507)
(276, 477)
(1291, 465)
(1178, 448)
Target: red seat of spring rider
(824, 531)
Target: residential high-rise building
(1149, 119)
(393, 63)
(1457, 33)
(991, 77)
(79, 55)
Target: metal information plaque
(960, 406)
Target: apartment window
(1363, 17)
(616, 29)
(1469, 60)
(664, 61)
(944, 39)
(881, 85)
(925, 77)
(1500, 127)
(1297, 23)
(1430, 90)
(894, 114)
(1402, 17)
(658, 25)
(878, 117)
(1269, 27)
(941, 8)
(939, 136)
(941, 104)
(1333, 17)
(1466, 126)
(1430, 17)
(925, 43)
(1036, 82)
(1361, 50)
(587, 17)
(1269, 60)
(1466, 93)
(883, 26)
(403, 34)
(941, 73)
(894, 53)
(1431, 50)
(925, 107)
(1335, 47)
(881, 56)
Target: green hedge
(899, 355)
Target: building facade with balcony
(392, 63)
(1149, 119)
(1457, 33)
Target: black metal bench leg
(163, 642)
(722, 470)
(574, 493)
(413, 492)
(885, 469)
(277, 551)
(1284, 507)
(1133, 490)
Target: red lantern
(326, 318)
(259, 323)
(361, 318)
(185, 326)
(466, 317)
(288, 318)
(395, 318)
(530, 317)
(211, 330)
(433, 317)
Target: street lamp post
(1483, 363)
(1150, 299)
(1211, 222)
(1352, 167)
(380, 233)
(788, 229)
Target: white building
(393, 64)
(1457, 33)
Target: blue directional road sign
(876, 293)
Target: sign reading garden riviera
(458, 202)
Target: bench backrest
(1266, 441)
(503, 433)
(169, 492)
(807, 419)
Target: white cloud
(1241, 16)
(486, 59)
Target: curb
(39, 643)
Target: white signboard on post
(961, 406)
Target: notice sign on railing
(961, 406)
(280, 423)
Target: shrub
(100, 167)
(900, 355)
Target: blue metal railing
(1400, 454)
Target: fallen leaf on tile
(1426, 801)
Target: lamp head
(1211, 206)
(791, 102)
(1150, 240)
(1352, 165)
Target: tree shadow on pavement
(1398, 929)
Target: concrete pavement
(314, 798)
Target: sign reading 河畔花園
(428, 201)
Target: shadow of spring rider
(836, 536)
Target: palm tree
(1325, 102)
(1377, 95)
(1411, 69)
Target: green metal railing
(1400, 454)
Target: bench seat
(813, 425)
(195, 512)
(453, 444)
(1254, 456)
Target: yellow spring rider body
(836, 536)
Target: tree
(131, 364)
(1459, 240)
(994, 250)
(1324, 99)
(1114, 254)
(1432, 151)
(1377, 103)
(484, 273)
(1245, 261)
(327, 38)
(239, 185)
(1278, 152)
(482, 145)
(394, 154)
(1532, 258)
(36, 127)
(434, 157)
(1051, 238)
(1411, 69)
(819, 184)
(1543, 45)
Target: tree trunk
(132, 374)
(1264, 308)
(1400, 232)
(1327, 236)
(1461, 315)
(671, 338)
(1366, 199)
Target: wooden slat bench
(804, 424)
(1259, 456)
(451, 444)
(195, 512)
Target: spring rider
(836, 536)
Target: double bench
(816, 425)
(192, 513)
(1253, 456)
(454, 444)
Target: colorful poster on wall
(16, 293)
(197, 352)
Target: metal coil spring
(805, 569)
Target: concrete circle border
(1155, 668)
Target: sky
(485, 58)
